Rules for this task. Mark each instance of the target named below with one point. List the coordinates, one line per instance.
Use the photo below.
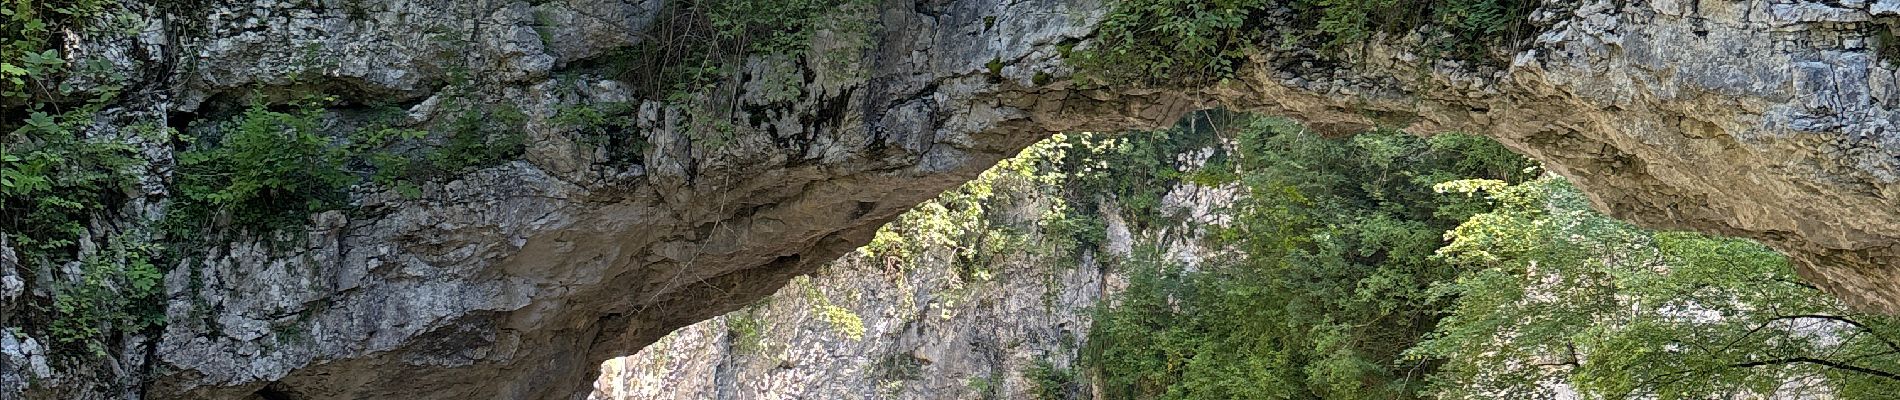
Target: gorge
(487, 199)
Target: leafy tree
(1331, 278)
(1557, 296)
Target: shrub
(1049, 382)
(121, 290)
(1204, 41)
(58, 180)
(267, 169)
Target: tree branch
(1820, 362)
(1863, 327)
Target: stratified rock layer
(1765, 119)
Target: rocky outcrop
(1767, 119)
(928, 334)
(938, 321)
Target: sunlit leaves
(1563, 295)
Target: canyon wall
(1768, 119)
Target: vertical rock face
(930, 330)
(1766, 119)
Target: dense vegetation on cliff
(1392, 266)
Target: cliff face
(1764, 119)
(982, 293)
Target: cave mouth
(1199, 258)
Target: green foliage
(1331, 284)
(1136, 169)
(608, 127)
(696, 43)
(392, 168)
(1343, 289)
(708, 128)
(767, 26)
(480, 137)
(1556, 292)
(60, 175)
(1050, 382)
(1205, 41)
(49, 168)
(748, 330)
(53, 181)
(30, 33)
(1460, 28)
(974, 220)
(984, 386)
(698, 49)
(267, 169)
(899, 366)
(1190, 41)
(120, 290)
(1342, 285)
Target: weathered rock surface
(1766, 119)
(929, 334)
(1009, 322)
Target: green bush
(1136, 168)
(47, 164)
(1049, 382)
(480, 137)
(1205, 41)
(30, 33)
(1189, 41)
(267, 169)
(58, 180)
(121, 290)
(609, 127)
(1618, 311)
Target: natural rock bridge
(1769, 119)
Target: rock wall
(1007, 323)
(930, 331)
(1765, 118)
